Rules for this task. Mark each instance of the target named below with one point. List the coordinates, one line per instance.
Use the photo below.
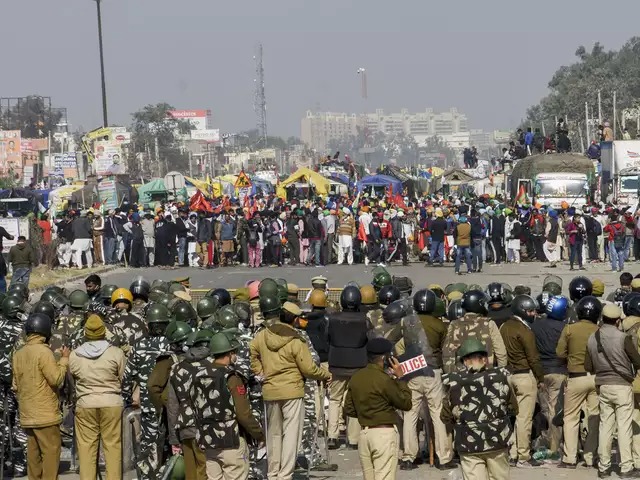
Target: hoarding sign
(206, 135)
(107, 194)
(197, 118)
(10, 148)
(109, 158)
(65, 160)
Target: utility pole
(260, 99)
(105, 120)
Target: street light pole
(104, 86)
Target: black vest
(553, 231)
(348, 340)
(317, 331)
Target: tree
(435, 150)
(153, 124)
(33, 116)
(571, 86)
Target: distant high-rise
(319, 128)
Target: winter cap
(379, 346)
(94, 328)
(598, 287)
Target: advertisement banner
(12, 226)
(109, 159)
(197, 118)
(107, 194)
(62, 161)
(627, 154)
(10, 149)
(209, 135)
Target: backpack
(618, 237)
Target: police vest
(214, 409)
(480, 401)
(347, 340)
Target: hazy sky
(489, 59)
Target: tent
(154, 188)
(381, 181)
(304, 175)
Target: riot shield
(552, 284)
(130, 440)
(418, 351)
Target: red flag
(398, 200)
(199, 203)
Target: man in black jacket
(82, 229)
(496, 232)
(477, 238)
(183, 230)
(438, 230)
(347, 336)
(293, 237)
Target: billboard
(10, 149)
(197, 118)
(109, 158)
(63, 161)
(206, 135)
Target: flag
(522, 198)
(199, 204)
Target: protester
(22, 260)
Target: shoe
(366, 261)
(351, 446)
(630, 474)
(570, 466)
(407, 465)
(325, 467)
(571, 268)
(333, 444)
(513, 462)
(479, 271)
(532, 462)
(447, 466)
(607, 473)
(581, 268)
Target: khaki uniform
(526, 373)
(373, 398)
(631, 325)
(337, 391)
(581, 388)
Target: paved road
(529, 274)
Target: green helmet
(244, 312)
(381, 279)
(183, 312)
(59, 301)
(105, 293)
(157, 313)
(44, 307)
(160, 285)
(12, 306)
(17, 294)
(226, 317)
(440, 309)
(475, 286)
(270, 304)
(203, 335)
(268, 287)
(177, 332)
(470, 346)
(207, 306)
(165, 300)
(156, 294)
(20, 287)
(79, 299)
(56, 289)
(176, 287)
(222, 343)
(283, 290)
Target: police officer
(10, 331)
(369, 299)
(547, 330)
(37, 377)
(579, 288)
(140, 290)
(386, 296)
(181, 411)
(480, 391)
(123, 317)
(373, 397)
(270, 308)
(347, 336)
(498, 310)
(282, 370)
(426, 386)
(206, 308)
(523, 361)
(218, 396)
(136, 373)
(581, 386)
(631, 325)
(474, 323)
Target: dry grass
(42, 276)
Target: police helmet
(177, 332)
(557, 307)
(45, 308)
(207, 306)
(270, 305)
(222, 343)
(268, 287)
(388, 294)
(140, 289)
(369, 295)
(580, 287)
(78, 299)
(223, 296)
(589, 308)
(474, 301)
(455, 310)
(157, 313)
(40, 324)
(522, 305)
(105, 293)
(183, 312)
(495, 293)
(631, 304)
(381, 279)
(318, 298)
(243, 311)
(395, 311)
(226, 317)
(11, 307)
(424, 301)
(350, 298)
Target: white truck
(626, 171)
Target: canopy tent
(59, 197)
(209, 188)
(154, 188)
(381, 181)
(261, 186)
(304, 175)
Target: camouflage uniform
(139, 366)
(139, 307)
(114, 335)
(10, 332)
(309, 443)
(66, 326)
(472, 325)
(479, 405)
(374, 317)
(243, 366)
(96, 306)
(133, 326)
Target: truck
(625, 171)
(554, 179)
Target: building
(319, 128)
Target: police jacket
(347, 335)
(499, 315)
(547, 332)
